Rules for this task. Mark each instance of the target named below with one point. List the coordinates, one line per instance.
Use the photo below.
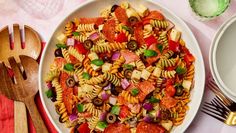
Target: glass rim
(211, 16)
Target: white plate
(92, 8)
(222, 58)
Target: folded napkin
(7, 115)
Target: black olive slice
(113, 8)
(179, 91)
(111, 118)
(104, 84)
(133, 20)
(97, 101)
(132, 45)
(115, 90)
(88, 44)
(70, 82)
(58, 53)
(128, 73)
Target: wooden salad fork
(219, 111)
(24, 88)
(32, 49)
(220, 96)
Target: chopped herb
(153, 100)
(97, 62)
(101, 125)
(150, 53)
(80, 108)
(69, 67)
(128, 66)
(49, 93)
(115, 110)
(86, 76)
(180, 70)
(160, 47)
(76, 33)
(60, 45)
(125, 27)
(134, 91)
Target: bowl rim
(200, 59)
(212, 58)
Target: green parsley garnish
(97, 62)
(86, 76)
(150, 53)
(153, 100)
(115, 110)
(80, 108)
(76, 33)
(60, 45)
(180, 70)
(69, 67)
(49, 93)
(134, 91)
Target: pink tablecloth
(44, 15)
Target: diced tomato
(67, 97)
(170, 90)
(75, 90)
(63, 77)
(170, 68)
(150, 40)
(146, 21)
(73, 59)
(59, 62)
(117, 128)
(144, 127)
(168, 102)
(185, 50)
(138, 33)
(121, 37)
(80, 48)
(153, 59)
(121, 100)
(155, 15)
(189, 58)
(124, 111)
(146, 87)
(109, 30)
(174, 46)
(129, 56)
(170, 81)
(83, 128)
(121, 15)
(97, 20)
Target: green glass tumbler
(208, 9)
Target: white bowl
(222, 58)
(92, 8)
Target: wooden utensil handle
(20, 118)
(36, 117)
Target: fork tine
(220, 102)
(211, 108)
(216, 117)
(213, 86)
(16, 69)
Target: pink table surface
(45, 15)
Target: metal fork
(219, 111)
(227, 102)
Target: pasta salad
(125, 71)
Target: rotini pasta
(159, 24)
(130, 99)
(85, 27)
(87, 66)
(112, 78)
(117, 64)
(72, 51)
(66, 55)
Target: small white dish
(91, 8)
(222, 58)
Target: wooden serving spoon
(25, 88)
(32, 49)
